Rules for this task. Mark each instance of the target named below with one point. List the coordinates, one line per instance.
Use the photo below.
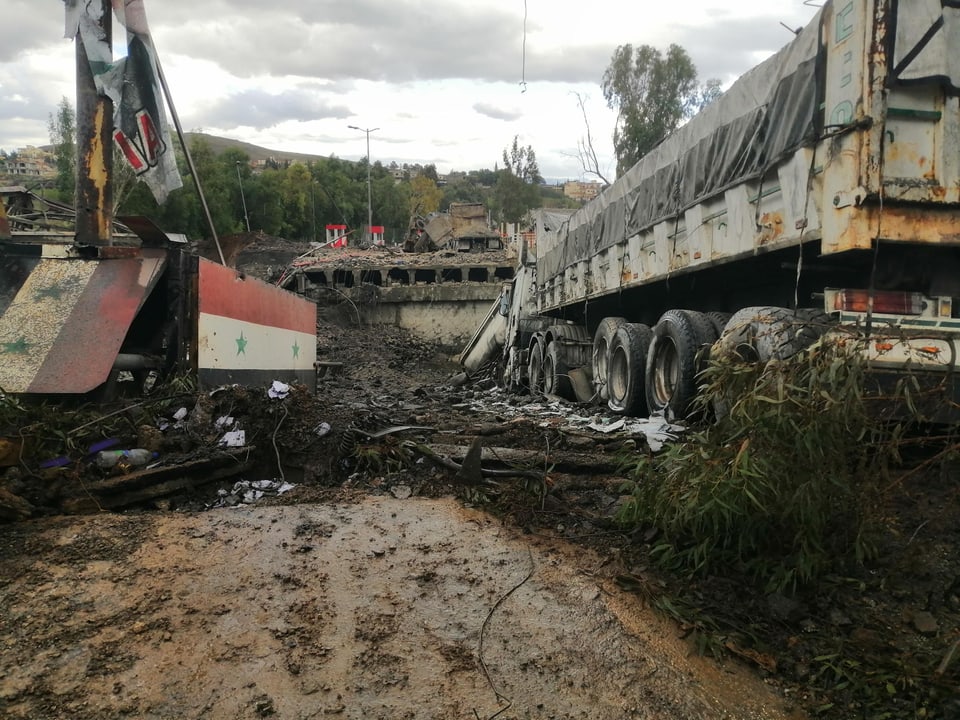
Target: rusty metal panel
(4, 223)
(251, 332)
(64, 320)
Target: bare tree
(586, 152)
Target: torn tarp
(140, 126)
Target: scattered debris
(246, 492)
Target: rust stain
(98, 170)
(119, 251)
(4, 223)
(771, 227)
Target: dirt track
(364, 592)
(370, 608)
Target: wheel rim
(666, 368)
(535, 369)
(617, 376)
(549, 374)
(600, 362)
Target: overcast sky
(449, 82)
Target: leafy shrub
(785, 485)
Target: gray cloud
(25, 28)
(496, 112)
(29, 98)
(389, 41)
(363, 39)
(261, 109)
(731, 45)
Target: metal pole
(189, 159)
(94, 191)
(246, 217)
(369, 234)
(369, 196)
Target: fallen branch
(557, 460)
(947, 659)
(449, 464)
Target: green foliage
(553, 197)
(296, 200)
(652, 94)
(425, 196)
(785, 487)
(518, 184)
(63, 136)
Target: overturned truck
(820, 193)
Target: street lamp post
(246, 217)
(369, 196)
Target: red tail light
(884, 301)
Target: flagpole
(186, 154)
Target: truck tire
(535, 367)
(675, 360)
(556, 374)
(600, 358)
(626, 369)
(719, 320)
(760, 334)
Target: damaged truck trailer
(819, 194)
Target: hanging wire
(523, 51)
(805, 223)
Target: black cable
(523, 51)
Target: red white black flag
(140, 126)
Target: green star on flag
(15, 348)
(241, 344)
(296, 349)
(54, 292)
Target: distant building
(29, 162)
(582, 191)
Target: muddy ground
(387, 584)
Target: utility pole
(243, 199)
(367, 235)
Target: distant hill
(255, 152)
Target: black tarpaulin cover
(767, 114)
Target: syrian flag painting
(252, 333)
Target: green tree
(652, 94)
(295, 199)
(218, 178)
(483, 178)
(391, 204)
(518, 184)
(263, 192)
(328, 195)
(464, 189)
(62, 126)
(522, 163)
(425, 196)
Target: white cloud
(449, 82)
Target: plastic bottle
(136, 457)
